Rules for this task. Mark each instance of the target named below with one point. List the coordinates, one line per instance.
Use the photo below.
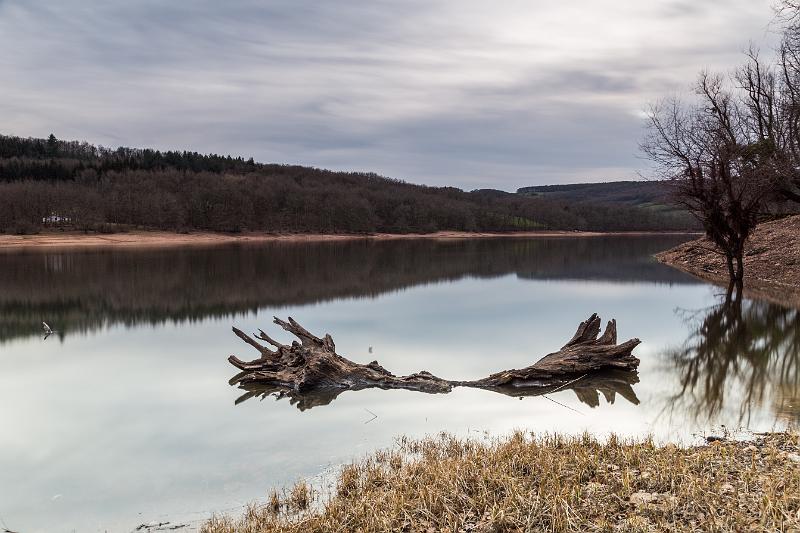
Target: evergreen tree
(52, 146)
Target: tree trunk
(740, 267)
(731, 266)
(311, 373)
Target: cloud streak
(462, 93)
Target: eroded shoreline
(772, 262)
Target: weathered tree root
(311, 373)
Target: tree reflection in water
(90, 290)
(740, 355)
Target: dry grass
(550, 483)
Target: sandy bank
(772, 261)
(160, 239)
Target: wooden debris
(311, 373)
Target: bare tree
(770, 98)
(709, 150)
(734, 153)
(787, 104)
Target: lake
(124, 415)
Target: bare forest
(48, 184)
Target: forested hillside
(655, 196)
(49, 183)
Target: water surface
(125, 416)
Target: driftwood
(311, 373)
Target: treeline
(53, 159)
(53, 183)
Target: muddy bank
(165, 239)
(772, 261)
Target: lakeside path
(771, 262)
(146, 239)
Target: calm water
(125, 415)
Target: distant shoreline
(146, 239)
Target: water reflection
(137, 387)
(84, 291)
(588, 390)
(748, 346)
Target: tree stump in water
(311, 373)
(583, 354)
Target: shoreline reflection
(84, 291)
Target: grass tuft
(300, 496)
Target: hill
(652, 196)
(630, 193)
(55, 184)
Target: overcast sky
(467, 93)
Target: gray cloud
(444, 92)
